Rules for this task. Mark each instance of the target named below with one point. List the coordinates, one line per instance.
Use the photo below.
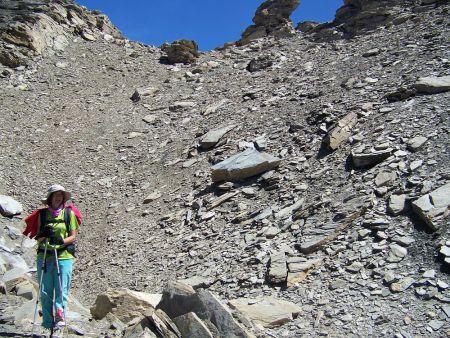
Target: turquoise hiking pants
(51, 298)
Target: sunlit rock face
(29, 28)
(271, 19)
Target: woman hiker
(55, 236)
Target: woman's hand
(56, 240)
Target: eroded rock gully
(347, 234)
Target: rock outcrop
(272, 18)
(30, 28)
(181, 51)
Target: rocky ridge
(32, 28)
(350, 224)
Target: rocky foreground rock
(346, 234)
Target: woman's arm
(71, 238)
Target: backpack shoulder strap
(67, 214)
(43, 217)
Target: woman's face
(56, 199)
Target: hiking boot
(56, 332)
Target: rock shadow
(324, 151)
(417, 222)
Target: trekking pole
(43, 270)
(58, 271)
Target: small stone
(436, 324)
(415, 165)
(272, 232)
(402, 285)
(139, 93)
(384, 178)
(416, 143)
(248, 192)
(396, 204)
(442, 285)
(152, 197)
(207, 216)
(278, 268)
(397, 253)
(389, 277)
(346, 318)
(355, 267)
(372, 52)
(60, 64)
(446, 309)
(404, 240)
(429, 274)
(445, 250)
(150, 119)
(134, 134)
(87, 36)
(385, 110)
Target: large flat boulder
(124, 304)
(433, 84)
(267, 312)
(243, 165)
(432, 207)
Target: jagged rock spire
(271, 18)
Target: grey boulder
(433, 85)
(433, 206)
(243, 165)
(9, 206)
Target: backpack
(31, 229)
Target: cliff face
(357, 17)
(30, 28)
(362, 15)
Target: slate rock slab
(248, 163)
(367, 160)
(178, 299)
(221, 316)
(416, 143)
(278, 268)
(268, 312)
(341, 132)
(433, 85)
(190, 325)
(9, 206)
(211, 138)
(431, 207)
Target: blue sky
(210, 23)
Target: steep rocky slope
(361, 263)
